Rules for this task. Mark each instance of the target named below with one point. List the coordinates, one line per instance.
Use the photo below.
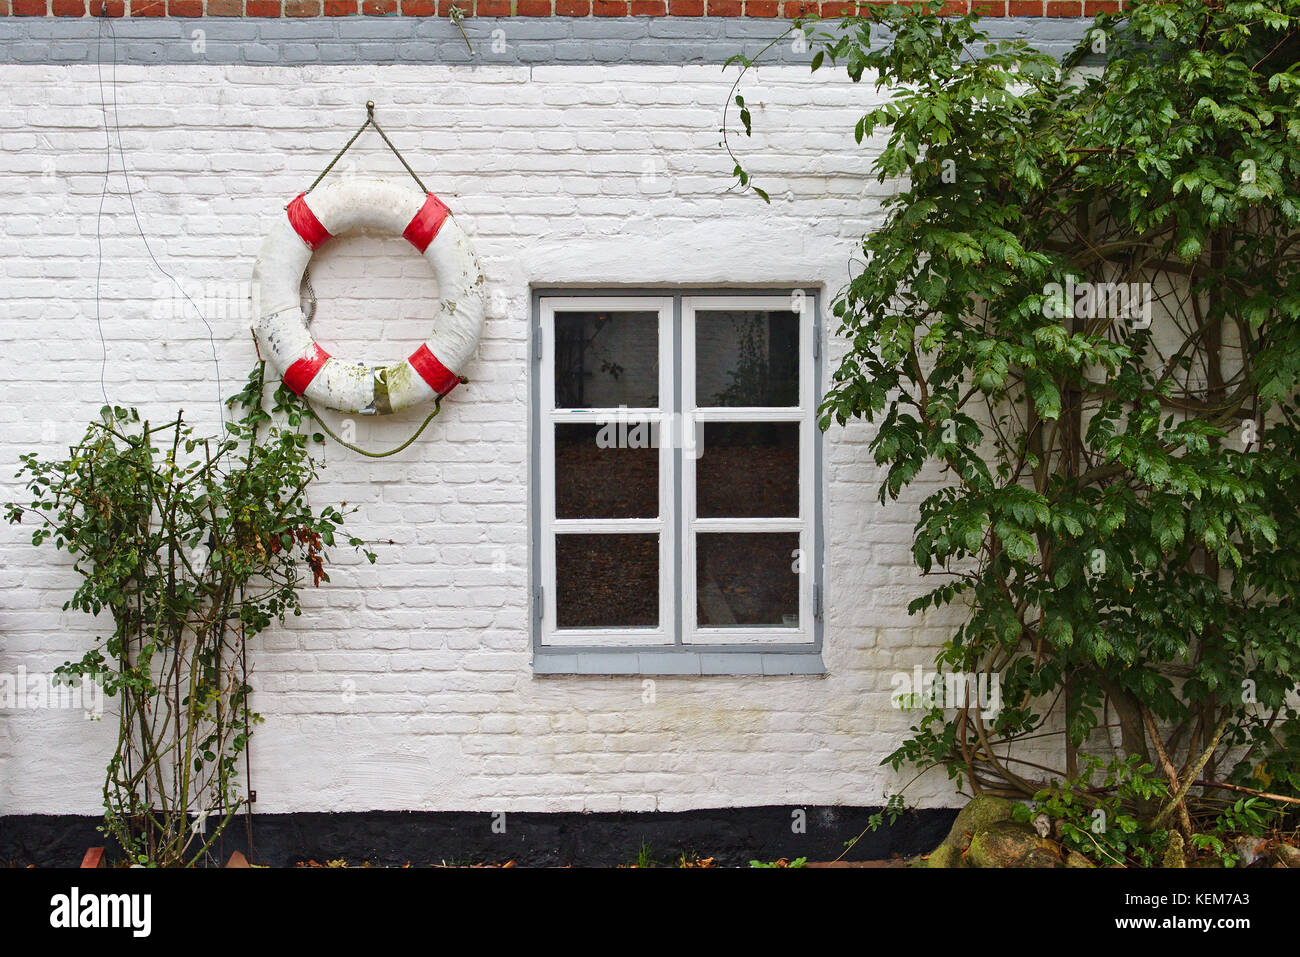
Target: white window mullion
(739, 414)
(608, 526)
(707, 525)
(601, 416)
(691, 436)
(667, 513)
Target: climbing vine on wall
(187, 546)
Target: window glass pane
(606, 471)
(746, 579)
(746, 358)
(606, 359)
(607, 581)
(747, 470)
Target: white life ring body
(422, 219)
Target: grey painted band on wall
(503, 41)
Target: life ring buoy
(424, 221)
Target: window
(675, 484)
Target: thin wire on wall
(106, 22)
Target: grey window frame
(678, 658)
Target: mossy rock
(1284, 855)
(1008, 844)
(981, 813)
(945, 855)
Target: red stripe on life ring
(305, 223)
(299, 375)
(440, 379)
(424, 227)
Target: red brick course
(525, 8)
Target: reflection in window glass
(746, 358)
(596, 478)
(745, 579)
(606, 359)
(607, 581)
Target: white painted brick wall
(546, 169)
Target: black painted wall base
(732, 836)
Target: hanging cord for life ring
(309, 313)
(437, 406)
(308, 310)
(370, 121)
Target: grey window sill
(571, 662)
